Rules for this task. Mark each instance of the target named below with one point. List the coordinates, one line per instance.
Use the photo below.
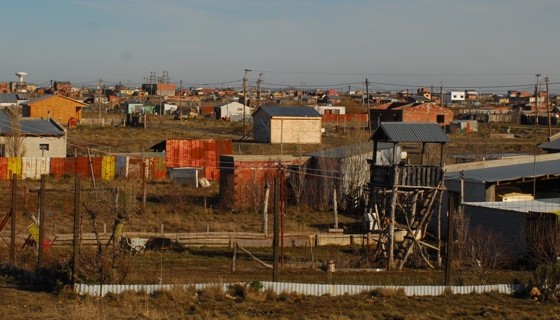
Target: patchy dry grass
(240, 303)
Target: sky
(490, 45)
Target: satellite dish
(21, 74)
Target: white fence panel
(310, 289)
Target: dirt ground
(26, 302)
(23, 302)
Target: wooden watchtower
(404, 195)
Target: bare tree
(15, 138)
(296, 176)
(542, 243)
(482, 254)
(109, 261)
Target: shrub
(547, 280)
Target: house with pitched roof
(275, 124)
(33, 138)
(57, 107)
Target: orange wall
(61, 109)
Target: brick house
(411, 113)
(56, 107)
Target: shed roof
(509, 172)
(551, 145)
(8, 98)
(410, 132)
(289, 111)
(551, 205)
(30, 127)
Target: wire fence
(88, 232)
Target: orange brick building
(56, 107)
(411, 113)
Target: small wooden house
(273, 124)
(56, 107)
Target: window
(440, 118)
(43, 147)
(2, 150)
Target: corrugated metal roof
(551, 145)
(289, 111)
(8, 98)
(30, 127)
(39, 127)
(410, 132)
(551, 205)
(509, 172)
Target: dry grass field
(180, 208)
(20, 302)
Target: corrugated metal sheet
(121, 167)
(158, 171)
(310, 289)
(197, 153)
(509, 172)
(135, 168)
(410, 132)
(108, 168)
(242, 184)
(81, 167)
(70, 166)
(33, 168)
(525, 206)
(4, 169)
(14, 166)
(57, 167)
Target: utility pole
(367, 94)
(181, 101)
(259, 80)
(441, 94)
(548, 107)
(245, 100)
(99, 94)
(275, 239)
(537, 102)
(367, 106)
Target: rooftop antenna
(21, 75)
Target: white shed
(274, 124)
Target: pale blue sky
(469, 43)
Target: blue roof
(289, 111)
(30, 127)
